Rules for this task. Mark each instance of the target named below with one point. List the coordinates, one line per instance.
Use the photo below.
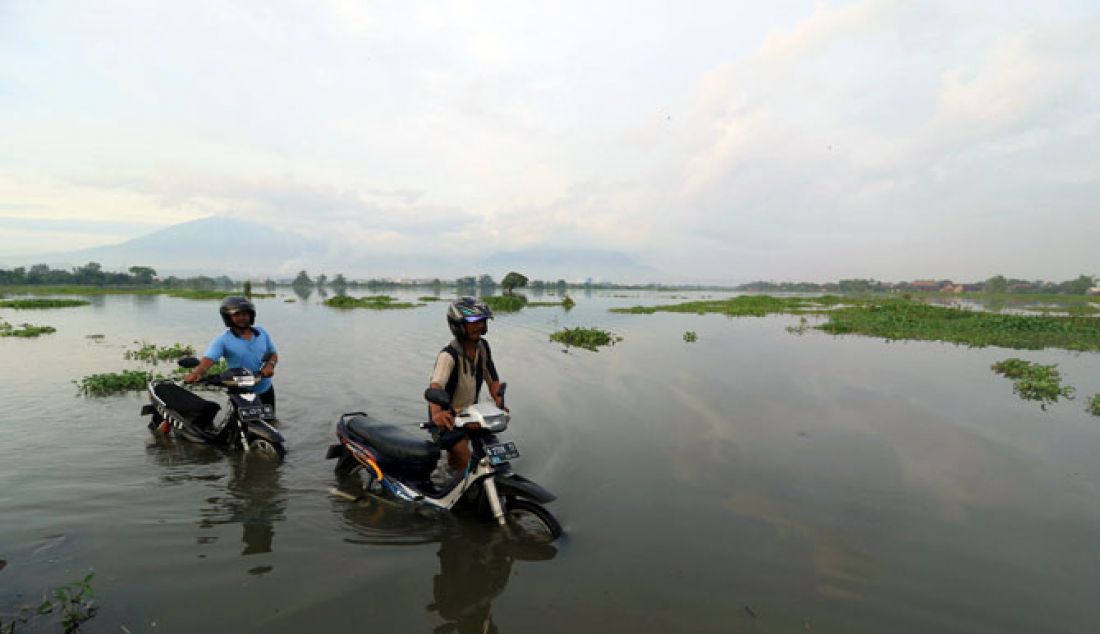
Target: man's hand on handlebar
(192, 377)
(443, 419)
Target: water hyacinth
(1034, 381)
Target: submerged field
(899, 318)
(821, 483)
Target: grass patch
(902, 319)
(1094, 405)
(745, 306)
(151, 353)
(567, 303)
(429, 298)
(505, 303)
(21, 304)
(587, 338)
(24, 330)
(374, 302)
(262, 295)
(691, 337)
(1034, 381)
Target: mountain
(209, 246)
(228, 246)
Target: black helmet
(465, 311)
(235, 304)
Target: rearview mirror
(188, 362)
(438, 396)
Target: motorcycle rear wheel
(530, 521)
(346, 464)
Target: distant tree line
(998, 284)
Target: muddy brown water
(755, 480)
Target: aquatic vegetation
(189, 293)
(587, 338)
(429, 298)
(151, 353)
(505, 303)
(262, 295)
(24, 330)
(567, 303)
(746, 306)
(74, 602)
(375, 302)
(114, 382)
(95, 337)
(690, 336)
(1094, 405)
(41, 303)
(1034, 381)
(289, 300)
(900, 319)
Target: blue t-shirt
(243, 353)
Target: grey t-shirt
(465, 391)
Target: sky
(714, 141)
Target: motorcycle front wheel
(266, 448)
(531, 521)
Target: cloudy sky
(715, 141)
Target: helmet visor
(473, 319)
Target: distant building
(925, 285)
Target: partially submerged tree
(512, 281)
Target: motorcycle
(398, 465)
(178, 411)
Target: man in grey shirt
(460, 369)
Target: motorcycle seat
(393, 441)
(186, 403)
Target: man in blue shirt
(244, 345)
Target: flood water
(753, 481)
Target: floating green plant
(567, 303)
(197, 294)
(745, 306)
(42, 303)
(1094, 405)
(114, 382)
(1034, 381)
(429, 298)
(151, 353)
(505, 303)
(587, 338)
(24, 330)
(900, 319)
(690, 336)
(375, 302)
(74, 602)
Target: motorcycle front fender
(514, 484)
(265, 431)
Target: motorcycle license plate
(256, 412)
(503, 452)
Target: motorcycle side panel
(519, 486)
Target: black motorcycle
(398, 465)
(245, 425)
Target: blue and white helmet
(467, 310)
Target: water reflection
(302, 291)
(475, 558)
(254, 496)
